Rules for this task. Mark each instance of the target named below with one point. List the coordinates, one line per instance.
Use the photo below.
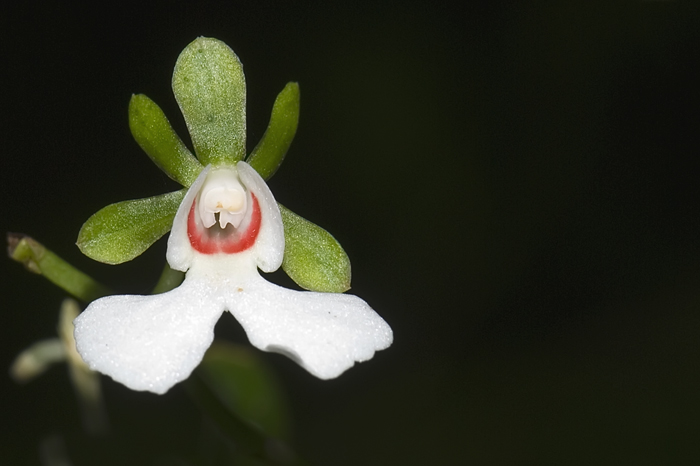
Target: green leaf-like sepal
(312, 257)
(209, 86)
(158, 139)
(270, 151)
(122, 231)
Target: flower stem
(249, 440)
(168, 280)
(38, 259)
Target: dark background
(517, 187)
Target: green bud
(38, 259)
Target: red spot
(229, 241)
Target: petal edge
(326, 333)
(149, 343)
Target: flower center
(224, 195)
(224, 199)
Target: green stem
(38, 259)
(248, 439)
(168, 280)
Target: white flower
(227, 227)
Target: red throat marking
(235, 242)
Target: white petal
(150, 342)
(326, 333)
(269, 246)
(180, 252)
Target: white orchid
(153, 342)
(227, 225)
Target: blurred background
(516, 186)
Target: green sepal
(312, 257)
(122, 231)
(209, 86)
(270, 151)
(158, 139)
(246, 386)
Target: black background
(517, 188)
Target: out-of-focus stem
(38, 259)
(168, 280)
(249, 440)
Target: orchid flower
(225, 227)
